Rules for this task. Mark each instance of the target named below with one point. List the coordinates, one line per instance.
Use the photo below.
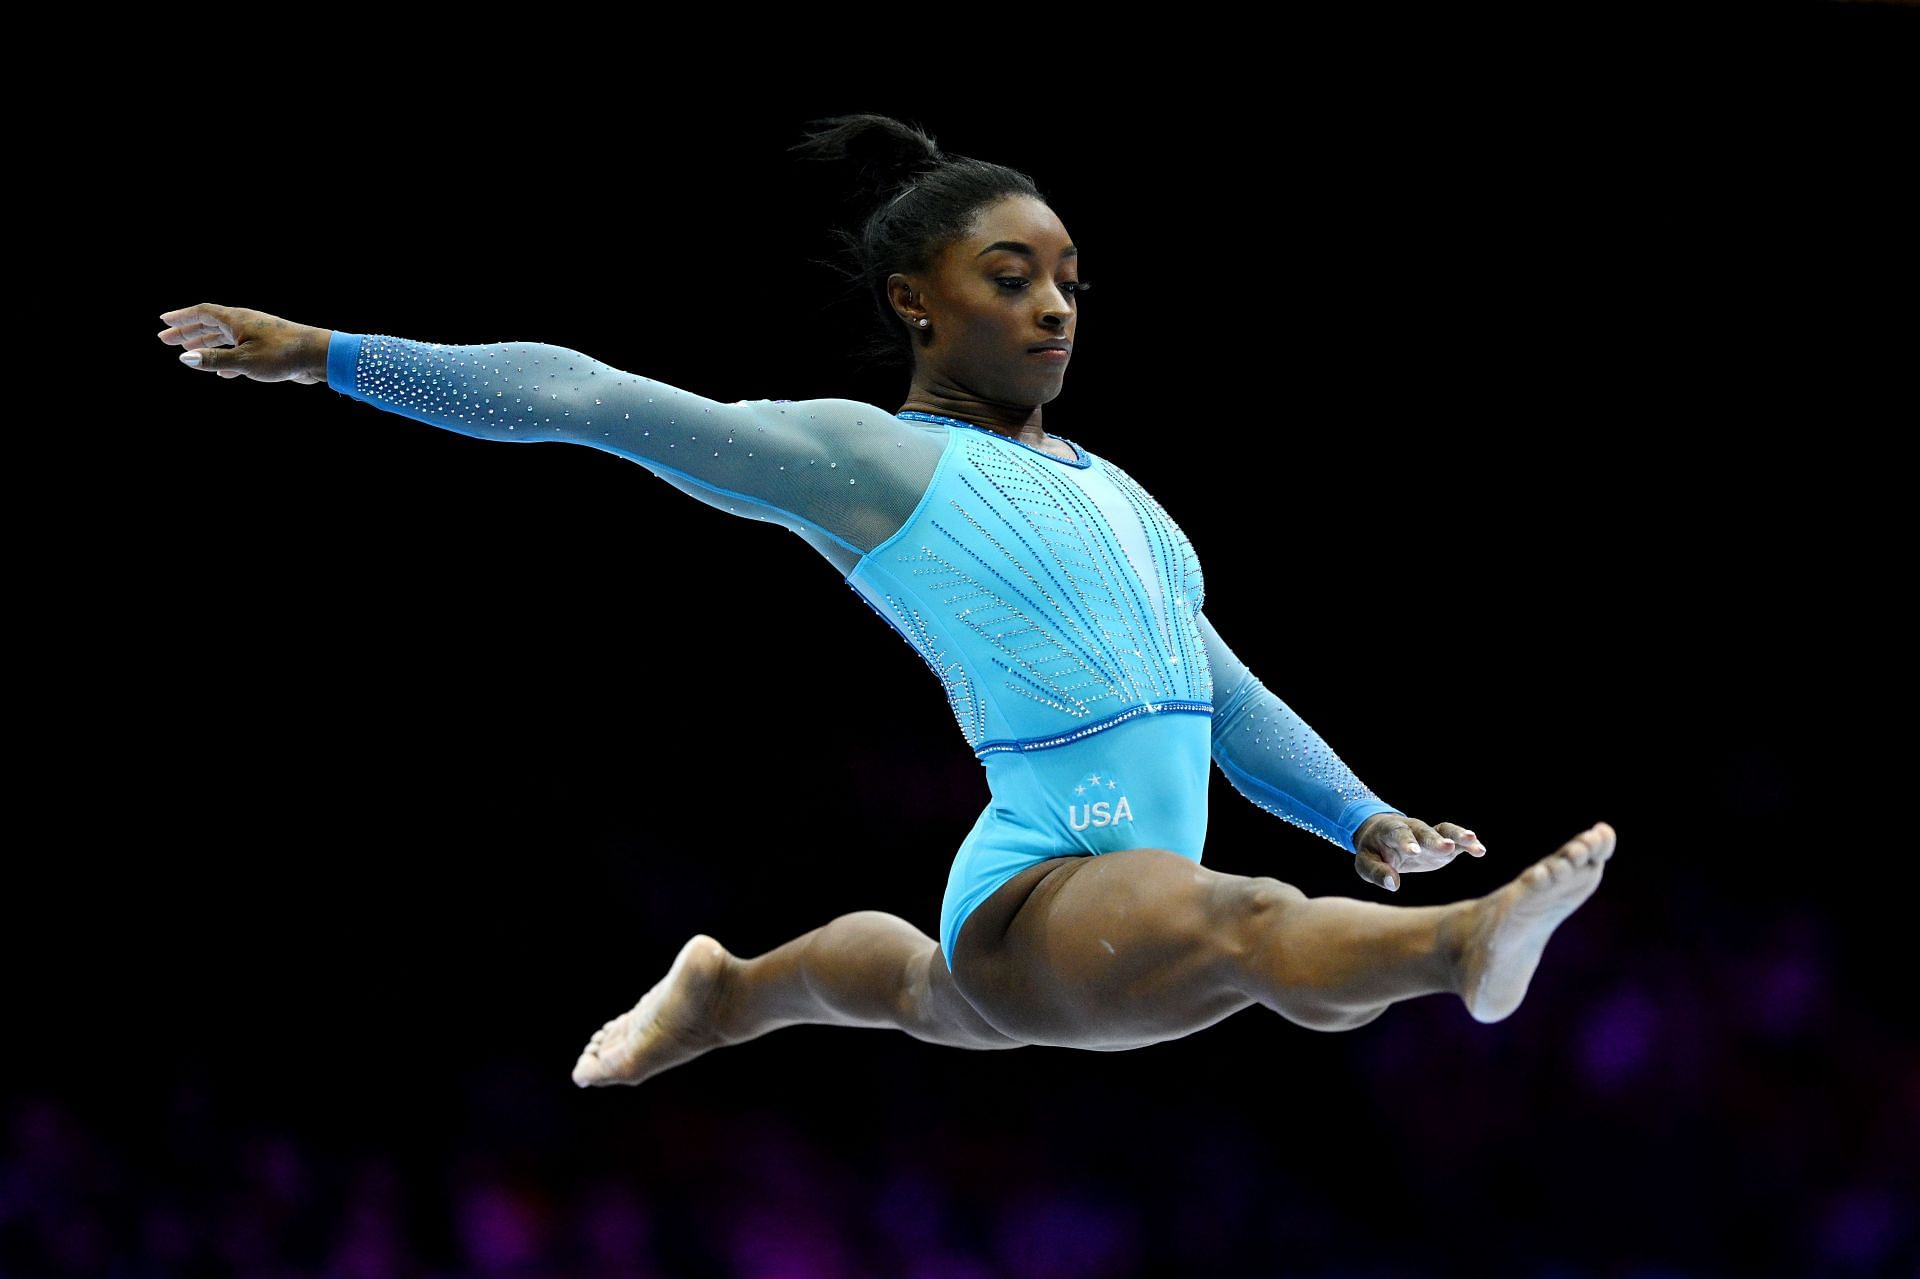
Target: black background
(1526, 416)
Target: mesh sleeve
(842, 474)
(1275, 759)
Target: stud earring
(923, 321)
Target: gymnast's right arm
(842, 474)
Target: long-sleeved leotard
(1056, 601)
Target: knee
(1250, 918)
(1253, 909)
(1268, 894)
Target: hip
(1142, 783)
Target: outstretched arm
(1277, 761)
(799, 463)
(842, 474)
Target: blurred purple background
(390, 763)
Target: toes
(1588, 850)
(1574, 861)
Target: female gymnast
(1060, 607)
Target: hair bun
(882, 152)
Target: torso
(1048, 591)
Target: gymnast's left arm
(1275, 759)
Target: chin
(1042, 384)
(1032, 396)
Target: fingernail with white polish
(190, 357)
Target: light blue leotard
(1056, 601)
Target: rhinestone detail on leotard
(1061, 612)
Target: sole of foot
(1508, 928)
(672, 1023)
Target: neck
(1016, 421)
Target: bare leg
(867, 968)
(1137, 947)
(1110, 952)
(1333, 960)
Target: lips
(1052, 344)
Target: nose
(1057, 311)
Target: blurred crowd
(1650, 1114)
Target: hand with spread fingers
(236, 342)
(1388, 845)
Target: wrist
(315, 344)
(1380, 814)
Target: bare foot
(672, 1023)
(1506, 930)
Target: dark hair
(914, 200)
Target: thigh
(1112, 951)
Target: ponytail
(882, 153)
(911, 200)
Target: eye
(1072, 288)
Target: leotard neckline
(1079, 458)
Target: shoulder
(832, 415)
(852, 428)
(857, 412)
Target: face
(1010, 283)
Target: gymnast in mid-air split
(1060, 607)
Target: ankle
(1455, 936)
(731, 1007)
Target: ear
(904, 297)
